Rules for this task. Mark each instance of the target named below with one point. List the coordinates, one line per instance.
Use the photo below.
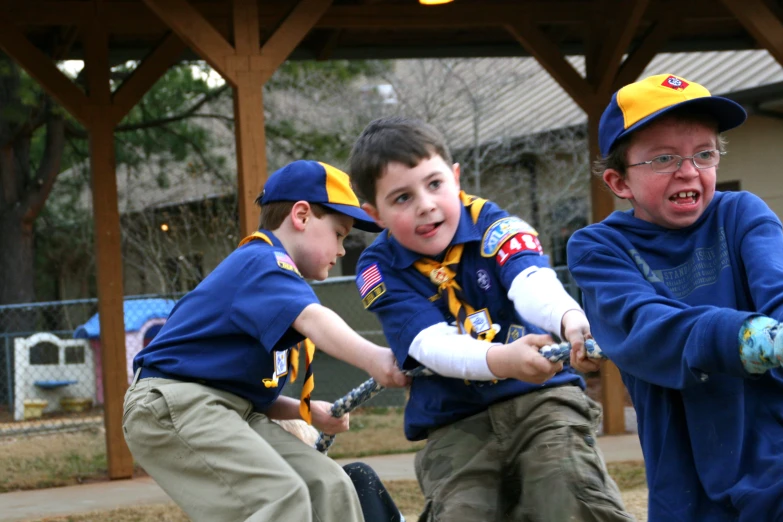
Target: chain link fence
(50, 356)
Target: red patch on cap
(672, 82)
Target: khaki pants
(220, 461)
(532, 458)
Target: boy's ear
(373, 212)
(455, 170)
(300, 214)
(616, 182)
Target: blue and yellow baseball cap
(637, 104)
(317, 182)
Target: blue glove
(761, 348)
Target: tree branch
(47, 170)
(171, 119)
(207, 163)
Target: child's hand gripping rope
(356, 397)
(370, 388)
(562, 352)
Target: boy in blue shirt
(684, 292)
(197, 415)
(509, 434)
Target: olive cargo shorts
(532, 458)
(220, 461)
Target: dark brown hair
(273, 214)
(393, 139)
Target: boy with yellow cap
(684, 293)
(197, 415)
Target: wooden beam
(69, 36)
(602, 204)
(198, 34)
(146, 74)
(642, 55)
(107, 248)
(328, 45)
(623, 30)
(135, 16)
(41, 68)
(247, 33)
(612, 399)
(549, 56)
(291, 32)
(761, 22)
(251, 146)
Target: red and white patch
(518, 243)
(672, 82)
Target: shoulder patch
(370, 284)
(501, 231)
(285, 262)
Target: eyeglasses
(669, 163)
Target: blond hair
(300, 429)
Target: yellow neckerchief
(309, 382)
(443, 275)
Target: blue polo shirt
(406, 302)
(234, 329)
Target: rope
(369, 389)
(355, 398)
(562, 352)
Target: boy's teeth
(686, 194)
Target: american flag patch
(369, 279)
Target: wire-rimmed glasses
(669, 163)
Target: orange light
(164, 227)
(435, 2)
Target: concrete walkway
(101, 496)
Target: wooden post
(251, 147)
(246, 66)
(602, 204)
(248, 114)
(110, 293)
(99, 113)
(107, 248)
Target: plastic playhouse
(52, 374)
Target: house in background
(524, 143)
(520, 139)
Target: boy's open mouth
(688, 197)
(429, 229)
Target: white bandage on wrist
(540, 298)
(445, 351)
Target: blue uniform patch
(515, 332)
(285, 262)
(501, 231)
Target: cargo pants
(529, 459)
(220, 461)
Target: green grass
(46, 461)
(628, 475)
(66, 459)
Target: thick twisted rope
(562, 352)
(356, 397)
(369, 389)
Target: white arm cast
(445, 351)
(540, 298)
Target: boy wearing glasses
(683, 293)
